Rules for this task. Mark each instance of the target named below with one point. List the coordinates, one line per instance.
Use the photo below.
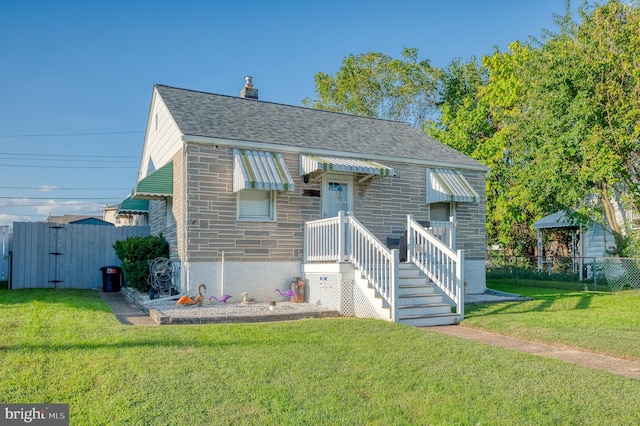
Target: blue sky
(76, 76)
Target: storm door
(337, 194)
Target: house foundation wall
(258, 279)
(475, 276)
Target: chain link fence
(587, 273)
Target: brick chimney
(248, 91)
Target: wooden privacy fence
(49, 255)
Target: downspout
(222, 276)
(185, 271)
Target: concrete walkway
(126, 311)
(130, 314)
(611, 364)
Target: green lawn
(602, 322)
(64, 346)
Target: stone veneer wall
(158, 218)
(381, 204)
(212, 210)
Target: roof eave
(324, 152)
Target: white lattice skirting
(344, 296)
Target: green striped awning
(260, 170)
(313, 163)
(444, 185)
(132, 206)
(157, 185)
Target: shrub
(135, 254)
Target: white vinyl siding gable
(162, 140)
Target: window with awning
(260, 170)
(449, 185)
(157, 185)
(313, 163)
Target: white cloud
(60, 208)
(8, 219)
(29, 210)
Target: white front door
(337, 194)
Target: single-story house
(128, 212)
(255, 196)
(77, 220)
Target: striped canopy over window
(449, 185)
(260, 170)
(313, 163)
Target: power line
(61, 188)
(69, 167)
(67, 155)
(56, 198)
(130, 160)
(86, 213)
(47, 135)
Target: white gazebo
(560, 220)
(588, 241)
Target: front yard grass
(603, 322)
(65, 346)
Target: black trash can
(111, 278)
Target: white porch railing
(438, 261)
(444, 231)
(344, 238)
(324, 240)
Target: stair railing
(440, 263)
(344, 238)
(377, 263)
(444, 231)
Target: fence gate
(49, 255)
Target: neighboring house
(77, 220)
(129, 212)
(626, 215)
(249, 193)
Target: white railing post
(341, 236)
(452, 233)
(410, 242)
(305, 242)
(460, 279)
(393, 283)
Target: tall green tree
(609, 43)
(562, 120)
(377, 85)
(556, 120)
(583, 113)
(481, 107)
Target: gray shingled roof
(227, 117)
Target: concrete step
(413, 280)
(419, 298)
(406, 290)
(430, 320)
(420, 305)
(423, 310)
(409, 272)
